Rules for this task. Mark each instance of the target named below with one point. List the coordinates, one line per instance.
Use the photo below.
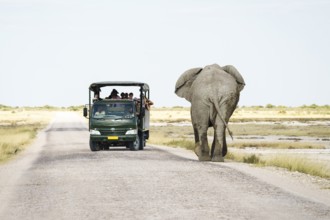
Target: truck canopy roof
(97, 85)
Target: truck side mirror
(85, 112)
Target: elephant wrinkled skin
(213, 92)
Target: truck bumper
(113, 139)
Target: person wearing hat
(114, 94)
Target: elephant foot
(202, 155)
(218, 158)
(204, 158)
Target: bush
(270, 106)
(75, 108)
(251, 159)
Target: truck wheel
(135, 145)
(94, 146)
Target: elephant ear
(234, 72)
(183, 84)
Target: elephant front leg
(201, 145)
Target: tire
(94, 146)
(135, 145)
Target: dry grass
(181, 136)
(166, 133)
(170, 115)
(18, 129)
(23, 117)
(279, 129)
(292, 163)
(14, 139)
(250, 114)
(279, 122)
(300, 164)
(276, 145)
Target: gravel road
(58, 177)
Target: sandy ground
(58, 177)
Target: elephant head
(183, 84)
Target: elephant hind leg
(201, 144)
(224, 145)
(219, 148)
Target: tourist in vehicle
(96, 97)
(124, 95)
(130, 96)
(148, 103)
(114, 94)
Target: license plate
(112, 137)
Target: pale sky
(52, 50)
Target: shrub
(251, 159)
(270, 106)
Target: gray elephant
(213, 92)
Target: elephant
(213, 92)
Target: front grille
(116, 132)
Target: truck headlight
(132, 131)
(94, 132)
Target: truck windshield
(113, 110)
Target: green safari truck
(117, 121)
